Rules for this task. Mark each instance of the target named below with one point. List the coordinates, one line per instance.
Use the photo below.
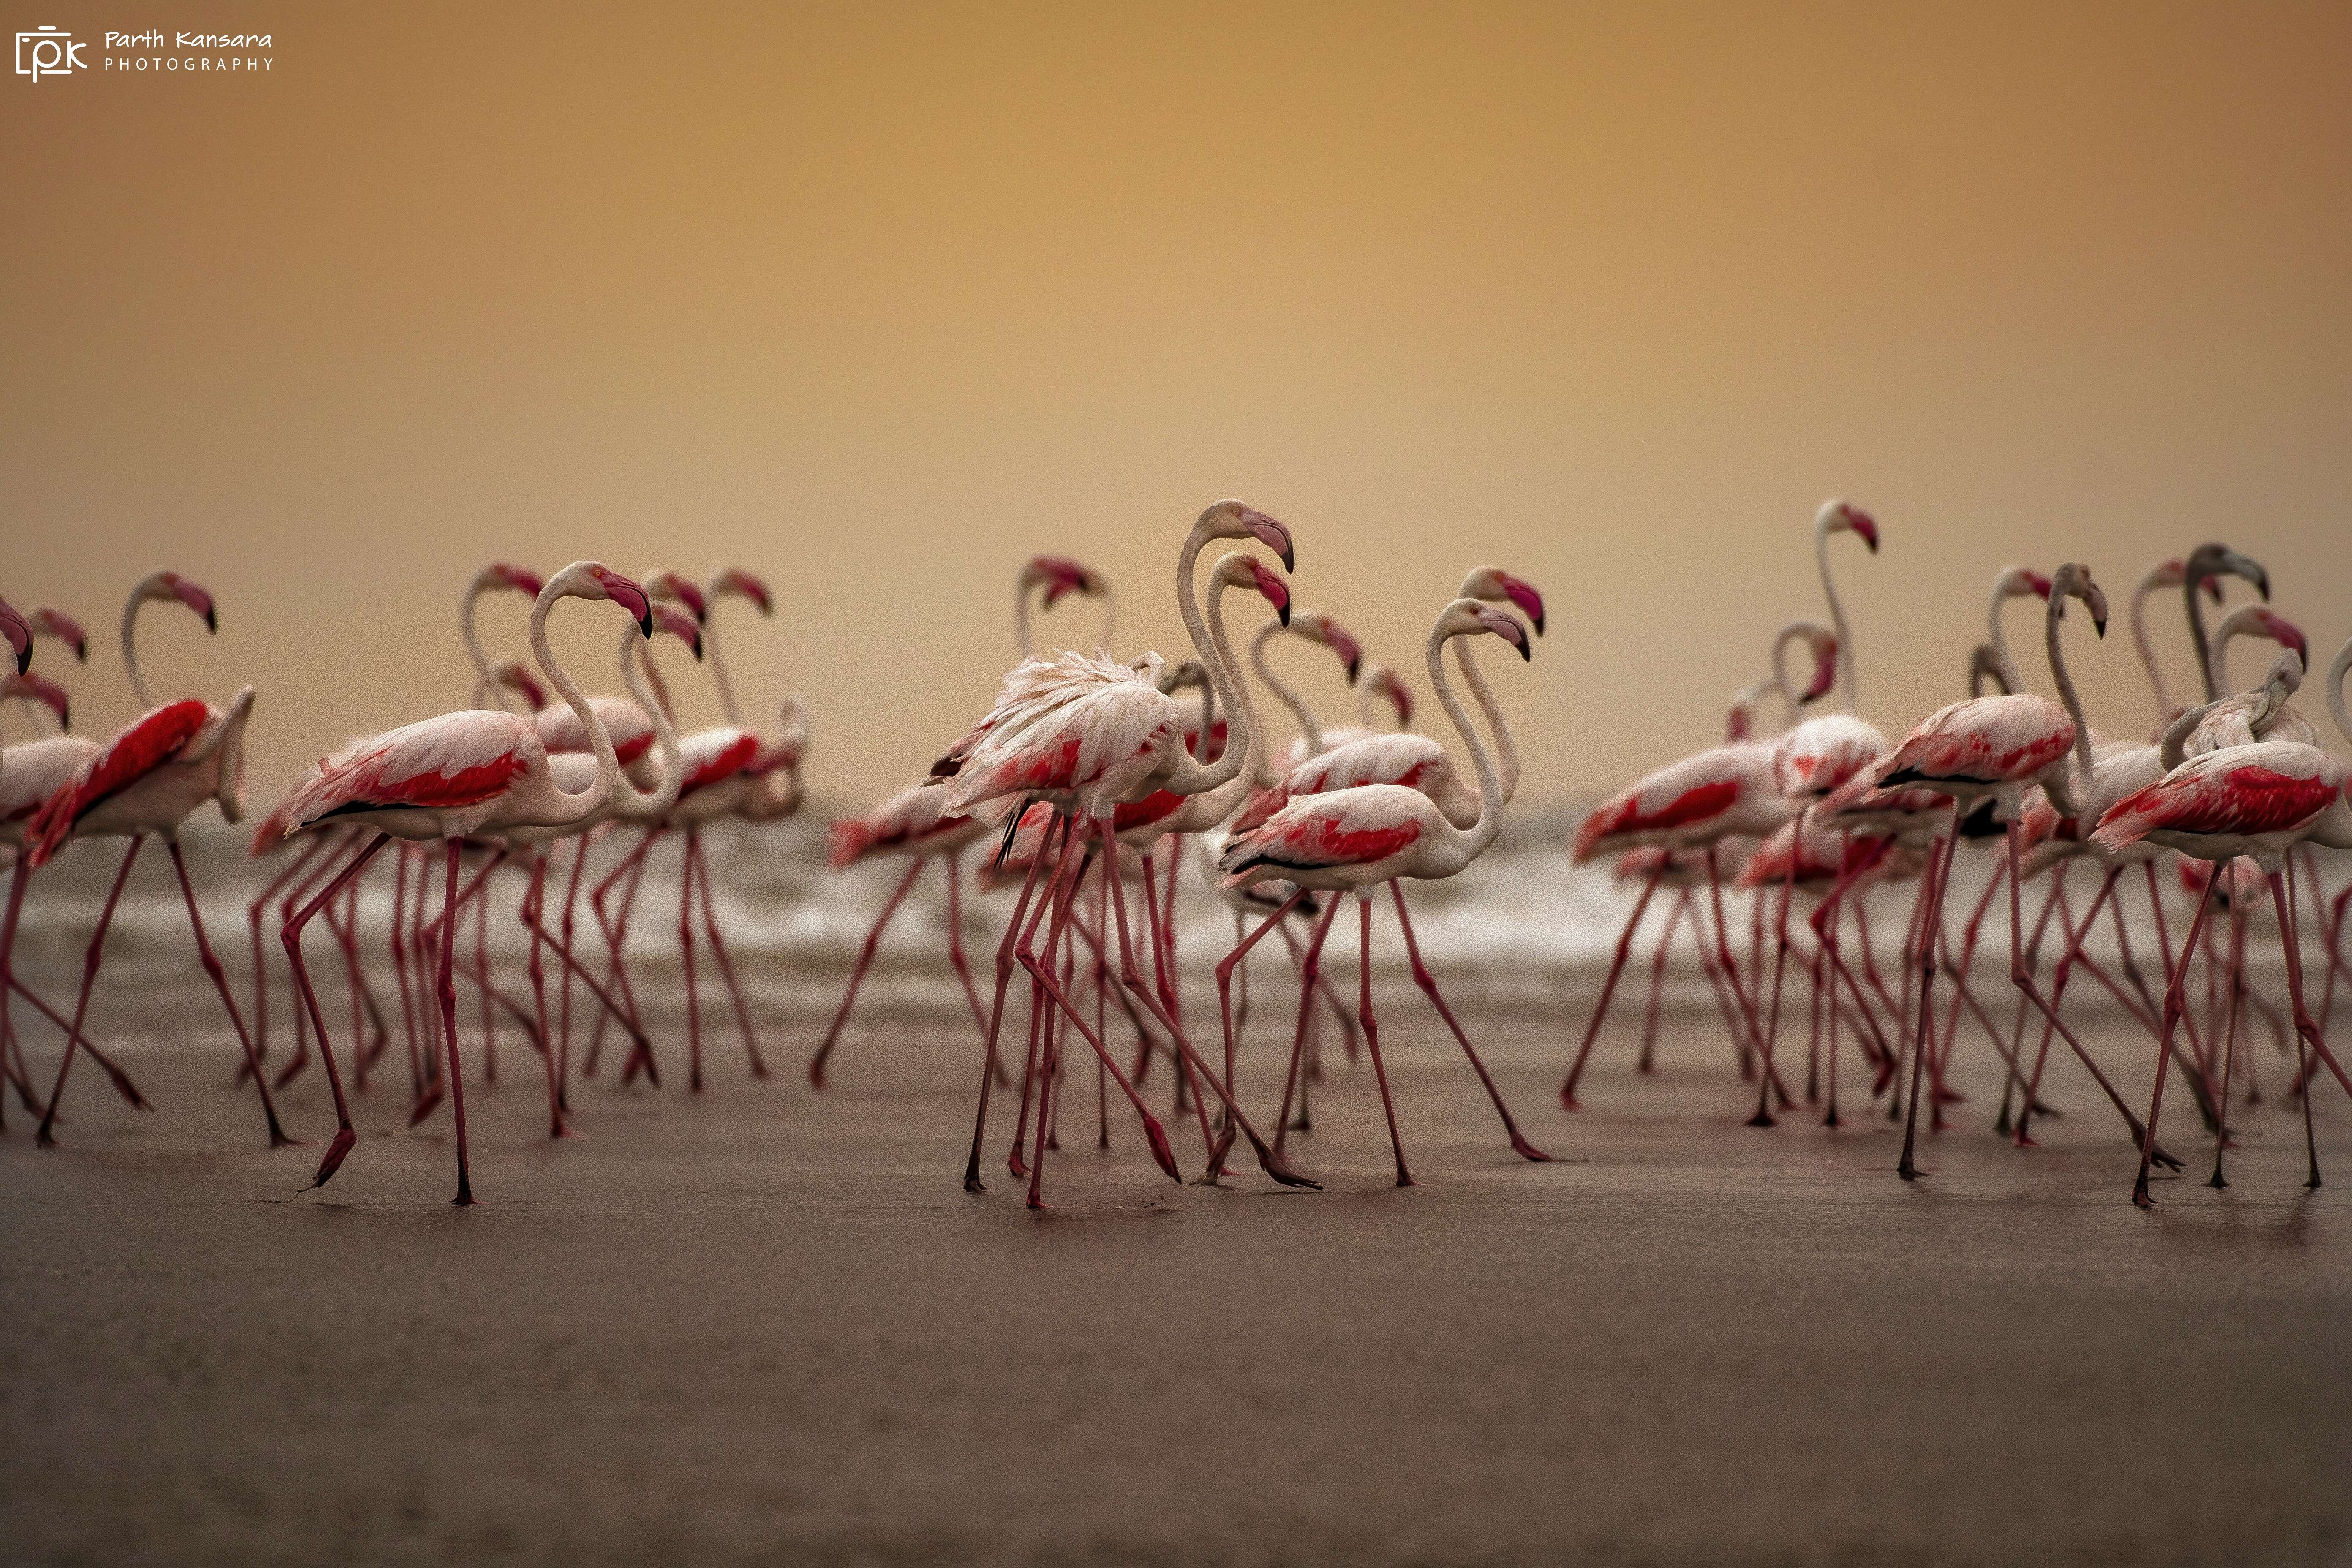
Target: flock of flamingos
(1085, 779)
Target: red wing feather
(148, 742)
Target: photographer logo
(49, 51)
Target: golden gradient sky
(877, 300)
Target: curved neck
(661, 702)
(718, 663)
(1847, 683)
(2338, 669)
(1308, 727)
(1216, 656)
(1490, 788)
(572, 808)
(1244, 745)
(1999, 642)
(130, 652)
(2219, 662)
(628, 800)
(487, 687)
(2070, 800)
(1508, 759)
(2147, 649)
(2172, 746)
(2197, 640)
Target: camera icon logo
(49, 51)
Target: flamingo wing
(1680, 795)
(138, 749)
(559, 729)
(711, 755)
(437, 764)
(906, 817)
(1347, 828)
(2272, 787)
(1984, 740)
(1068, 724)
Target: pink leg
(2306, 1032)
(564, 996)
(1373, 1030)
(539, 938)
(1647, 1063)
(1428, 984)
(1763, 1117)
(1309, 966)
(92, 958)
(1004, 965)
(720, 956)
(204, 955)
(292, 939)
(447, 993)
(253, 913)
(1237, 959)
(1939, 872)
(686, 958)
(2229, 1035)
(865, 959)
(2058, 979)
(1608, 985)
(2175, 1003)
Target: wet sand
(767, 1325)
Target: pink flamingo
(149, 779)
(1354, 840)
(446, 779)
(912, 823)
(1085, 734)
(1999, 747)
(2259, 801)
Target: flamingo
(446, 779)
(912, 823)
(1354, 840)
(2164, 574)
(1084, 735)
(39, 623)
(1695, 805)
(497, 575)
(2259, 801)
(149, 779)
(1379, 683)
(2201, 572)
(1999, 747)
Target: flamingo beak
(1524, 595)
(681, 626)
(2249, 568)
(1510, 631)
(2040, 585)
(1273, 535)
(20, 638)
(1277, 591)
(1865, 525)
(1825, 665)
(630, 597)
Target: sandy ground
(766, 1325)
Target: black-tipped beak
(697, 645)
(2099, 622)
(1354, 668)
(24, 659)
(1282, 612)
(1527, 651)
(645, 626)
(1537, 622)
(211, 621)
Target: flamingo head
(20, 636)
(1316, 627)
(172, 586)
(594, 580)
(504, 574)
(1844, 517)
(1468, 617)
(1984, 670)
(34, 688)
(1384, 683)
(1498, 586)
(682, 626)
(1187, 672)
(2262, 621)
(1232, 520)
(2073, 581)
(515, 677)
(2172, 573)
(1060, 576)
(1239, 571)
(671, 588)
(48, 622)
(739, 584)
(2020, 582)
(2208, 562)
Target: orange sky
(878, 298)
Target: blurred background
(878, 300)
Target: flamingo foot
(1761, 1119)
(1833, 1120)
(1282, 1171)
(1163, 1155)
(1949, 1097)
(42, 1137)
(278, 1140)
(1568, 1101)
(344, 1140)
(2024, 1140)
(426, 1104)
(1526, 1150)
(127, 1090)
(2139, 1194)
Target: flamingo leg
(614, 930)
(1372, 1028)
(219, 977)
(290, 938)
(1647, 1063)
(955, 942)
(563, 996)
(446, 989)
(92, 958)
(482, 962)
(2175, 1003)
(1309, 965)
(399, 944)
(1005, 962)
(1752, 1041)
(344, 927)
(686, 960)
(720, 955)
(1763, 1117)
(1428, 984)
(2229, 1035)
(857, 971)
(1237, 959)
(539, 939)
(2022, 1137)
(2306, 1031)
(311, 878)
(1939, 871)
(1608, 985)
(253, 914)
